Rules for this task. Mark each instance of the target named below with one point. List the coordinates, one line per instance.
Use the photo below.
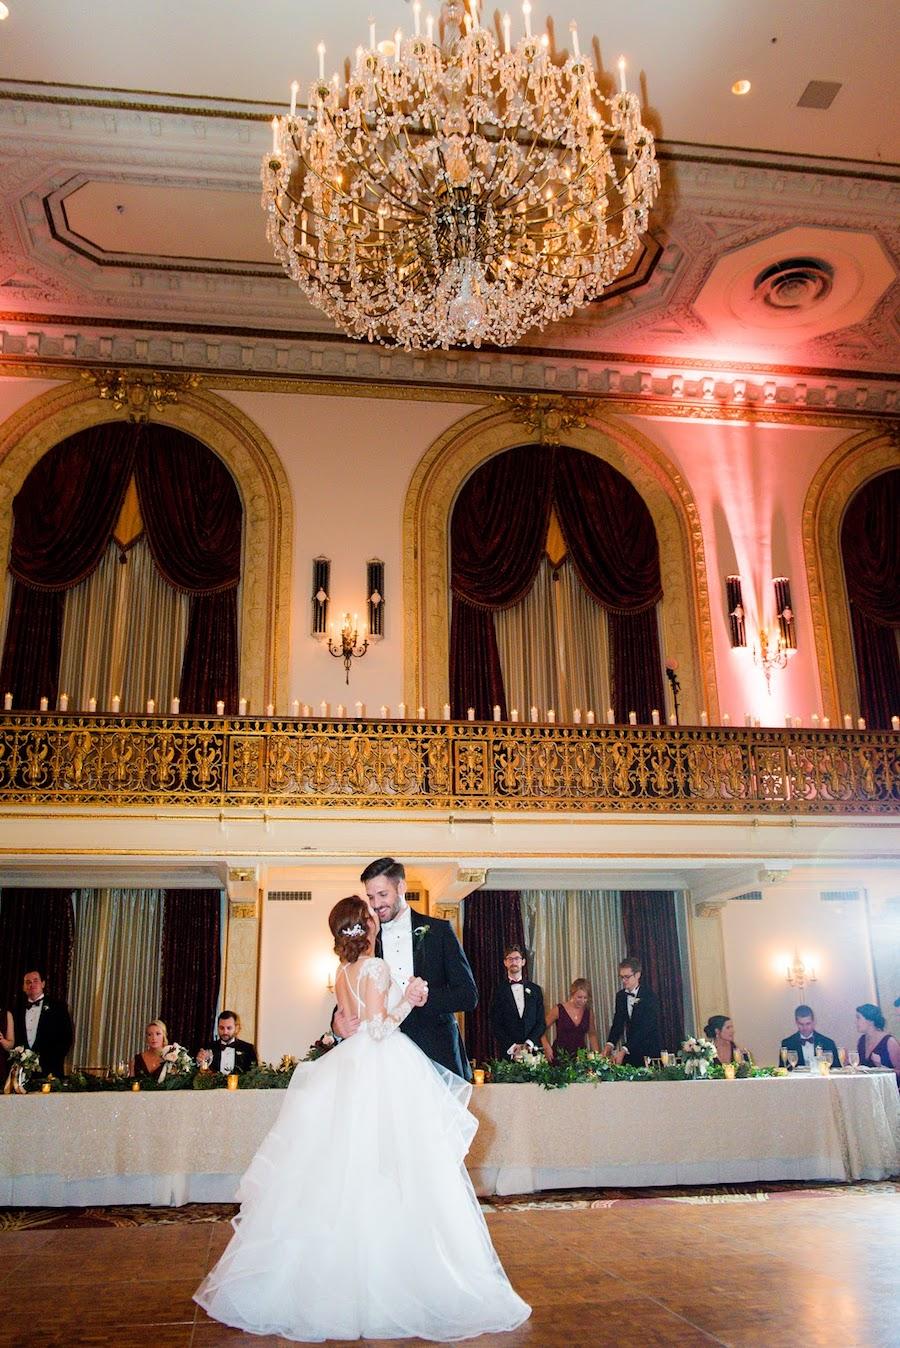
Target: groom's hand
(344, 1025)
(416, 992)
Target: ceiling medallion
(796, 283)
(458, 191)
(140, 392)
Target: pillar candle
(590, 717)
(359, 709)
(220, 708)
(306, 711)
(446, 711)
(795, 721)
(895, 723)
(814, 720)
(861, 723)
(471, 713)
(756, 722)
(323, 708)
(242, 707)
(270, 708)
(726, 719)
(826, 722)
(114, 705)
(848, 721)
(673, 719)
(654, 717)
(632, 718)
(534, 714)
(514, 714)
(421, 713)
(401, 711)
(704, 717)
(551, 715)
(295, 707)
(340, 710)
(7, 701)
(64, 701)
(748, 719)
(496, 712)
(787, 721)
(384, 713)
(175, 706)
(576, 716)
(610, 716)
(92, 704)
(44, 704)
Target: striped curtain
(575, 933)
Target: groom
(424, 948)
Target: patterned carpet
(54, 1219)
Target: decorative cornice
(139, 393)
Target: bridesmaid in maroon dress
(574, 1023)
(876, 1049)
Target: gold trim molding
(837, 481)
(685, 611)
(265, 494)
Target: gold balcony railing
(57, 759)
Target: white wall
(761, 938)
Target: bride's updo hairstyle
(348, 921)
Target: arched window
(555, 582)
(870, 550)
(125, 566)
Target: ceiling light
(4, 10)
(741, 87)
(458, 192)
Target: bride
(357, 1218)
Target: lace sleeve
(374, 987)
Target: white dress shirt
(226, 1062)
(397, 947)
(809, 1051)
(32, 1016)
(518, 992)
(632, 998)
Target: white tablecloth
(192, 1146)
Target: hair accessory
(355, 930)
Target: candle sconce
(798, 975)
(769, 655)
(349, 648)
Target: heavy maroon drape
(191, 964)
(492, 919)
(192, 513)
(870, 545)
(651, 933)
(64, 517)
(497, 537)
(37, 931)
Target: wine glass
(784, 1056)
(842, 1054)
(853, 1057)
(792, 1057)
(827, 1057)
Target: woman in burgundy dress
(876, 1049)
(574, 1023)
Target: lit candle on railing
(551, 715)
(848, 721)
(401, 711)
(514, 714)
(534, 713)
(220, 708)
(242, 707)
(787, 722)
(323, 708)
(861, 723)
(295, 707)
(795, 722)
(496, 712)
(340, 711)
(471, 713)
(726, 719)
(895, 723)
(673, 719)
(44, 704)
(576, 716)
(270, 709)
(654, 717)
(151, 706)
(306, 710)
(704, 717)
(826, 722)
(748, 718)
(175, 706)
(446, 711)
(590, 716)
(359, 710)
(384, 713)
(814, 720)
(632, 718)
(610, 716)
(7, 701)
(92, 704)
(623, 87)
(114, 705)
(64, 701)
(421, 713)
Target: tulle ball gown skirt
(357, 1218)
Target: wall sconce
(737, 626)
(321, 579)
(375, 600)
(769, 655)
(785, 613)
(348, 650)
(798, 975)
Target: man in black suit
(425, 950)
(228, 1053)
(635, 1019)
(517, 1007)
(807, 1039)
(43, 1024)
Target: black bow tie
(516, 982)
(37, 1003)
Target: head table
(173, 1147)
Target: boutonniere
(419, 932)
(528, 992)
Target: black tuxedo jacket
(438, 958)
(507, 1025)
(641, 1033)
(54, 1034)
(244, 1055)
(819, 1040)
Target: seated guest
(228, 1053)
(876, 1049)
(720, 1029)
(517, 1007)
(807, 1039)
(636, 1018)
(574, 1023)
(149, 1062)
(43, 1024)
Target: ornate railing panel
(57, 759)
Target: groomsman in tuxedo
(807, 1039)
(228, 1053)
(425, 957)
(517, 1007)
(43, 1024)
(635, 1019)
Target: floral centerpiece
(24, 1062)
(176, 1062)
(696, 1056)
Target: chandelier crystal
(458, 192)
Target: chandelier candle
(458, 192)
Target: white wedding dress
(357, 1218)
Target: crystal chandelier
(461, 191)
